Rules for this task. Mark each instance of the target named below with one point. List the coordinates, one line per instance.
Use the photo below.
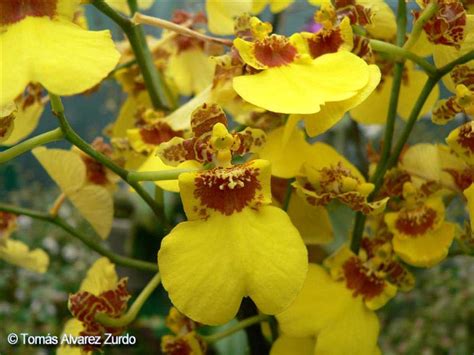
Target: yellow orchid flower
(189, 66)
(206, 140)
(100, 291)
(16, 252)
(463, 101)
(226, 239)
(374, 109)
(329, 176)
(122, 5)
(87, 184)
(27, 110)
(421, 236)
(46, 47)
(325, 312)
(222, 14)
(461, 141)
(309, 83)
(185, 339)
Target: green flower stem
(239, 326)
(427, 13)
(172, 174)
(88, 241)
(390, 125)
(132, 312)
(26, 146)
(154, 82)
(398, 52)
(289, 190)
(75, 139)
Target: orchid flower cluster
(234, 116)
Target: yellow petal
(191, 70)
(354, 333)
(321, 301)
(154, 163)
(383, 25)
(59, 55)
(221, 14)
(180, 119)
(286, 345)
(286, 157)
(26, 121)
(425, 250)
(208, 266)
(323, 156)
(333, 112)
(122, 5)
(18, 253)
(72, 327)
(96, 205)
(68, 170)
(422, 160)
(469, 194)
(126, 117)
(65, 167)
(100, 277)
(375, 108)
(312, 222)
(303, 87)
(279, 5)
(461, 139)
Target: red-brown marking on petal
(466, 138)
(357, 14)
(361, 280)
(275, 51)
(463, 75)
(158, 132)
(325, 41)
(12, 11)
(417, 221)
(205, 117)
(462, 178)
(227, 190)
(6, 220)
(85, 305)
(393, 183)
(447, 25)
(96, 172)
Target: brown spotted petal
(205, 117)
(250, 140)
(357, 14)
(85, 305)
(177, 150)
(188, 344)
(447, 26)
(461, 141)
(445, 110)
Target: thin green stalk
(122, 66)
(398, 52)
(287, 199)
(392, 161)
(425, 16)
(132, 312)
(75, 139)
(172, 174)
(29, 144)
(154, 82)
(87, 240)
(390, 125)
(239, 326)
